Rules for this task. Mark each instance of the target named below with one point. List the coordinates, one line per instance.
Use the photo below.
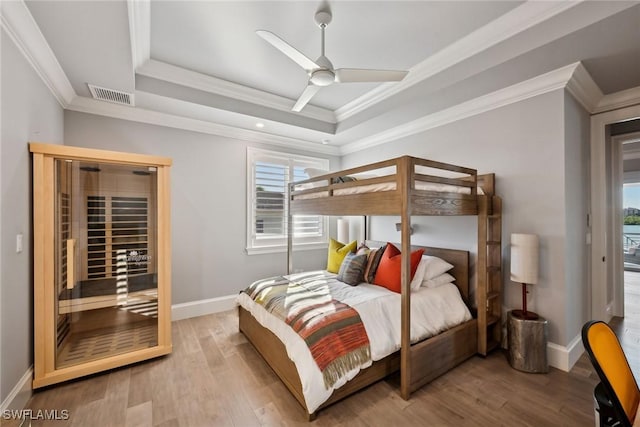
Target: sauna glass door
(106, 289)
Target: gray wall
(29, 113)
(575, 288)
(208, 200)
(524, 145)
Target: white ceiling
(218, 39)
(201, 63)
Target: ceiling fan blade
(284, 47)
(353, 75)
(305, 97)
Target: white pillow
(313, 172)
(416, 282)
(428, 268)
(440, 280)
(418, 277)
(435, 267)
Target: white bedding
(383, 186)
(433, 310)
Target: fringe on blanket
(342, 365)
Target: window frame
(279, 244)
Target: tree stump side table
(527, 340)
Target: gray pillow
(352, 269)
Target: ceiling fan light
(322, 77)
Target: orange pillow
(389, 271)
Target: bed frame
(433, 356)
(421, 362)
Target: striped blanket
(332, 330)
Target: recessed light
(260, 125)
(325, 141)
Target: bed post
(405, 172)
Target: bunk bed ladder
(489, 273)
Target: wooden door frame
(601, 255)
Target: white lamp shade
(343, 230)
(524, 258)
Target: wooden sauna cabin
(102, 260)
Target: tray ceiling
(202, 62)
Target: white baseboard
(20, 394)
(202, 307)
(564, 358)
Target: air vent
(110, 95)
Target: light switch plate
(19, 243)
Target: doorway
(606, 219)
(630, 144)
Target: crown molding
(141, 115)
(539, 85)
(521, 18)
(622, 99)
(139, 12)
(20, 26)
(584, 89)
(181, 76)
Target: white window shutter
(269, 175)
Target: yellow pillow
(337, 252)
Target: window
(268, 176)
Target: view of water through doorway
(628, 327)
(631, 226)
(631, 229)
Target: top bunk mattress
(383, 186)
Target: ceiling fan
(321, 72)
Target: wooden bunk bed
(401, 187)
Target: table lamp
(524, 268)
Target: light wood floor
(627, 328)
(215, 378)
